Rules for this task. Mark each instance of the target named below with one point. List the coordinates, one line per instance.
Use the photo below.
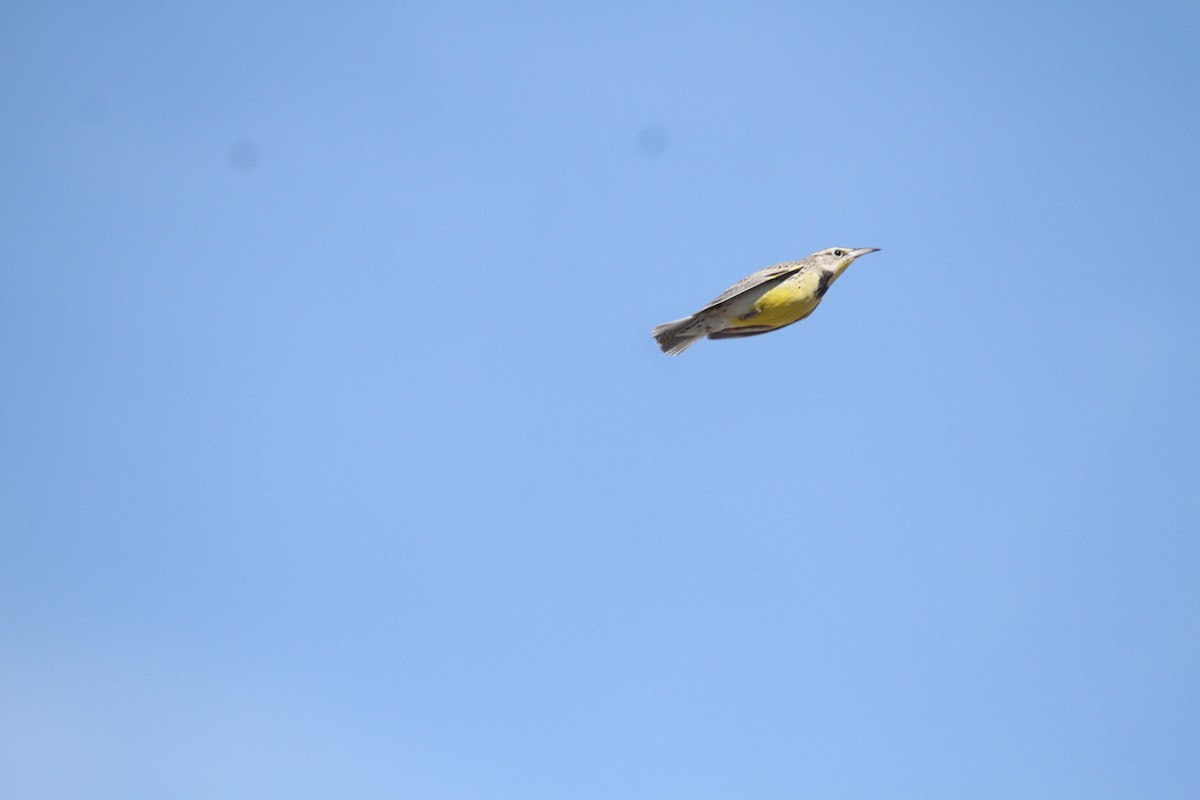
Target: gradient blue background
(337, 459)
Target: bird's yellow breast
(792, 300)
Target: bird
(766, 301)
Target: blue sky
(337, 459)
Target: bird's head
(836, 259)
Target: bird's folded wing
(776, 273)
(747, 330)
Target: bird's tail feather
(675, 337)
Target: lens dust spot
(244, 155)
(653, 140)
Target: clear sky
(336, 458)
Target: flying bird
(766, 301)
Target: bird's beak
(862, 251)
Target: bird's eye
(839, 253)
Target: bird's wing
(772, 273)
(750, 330)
